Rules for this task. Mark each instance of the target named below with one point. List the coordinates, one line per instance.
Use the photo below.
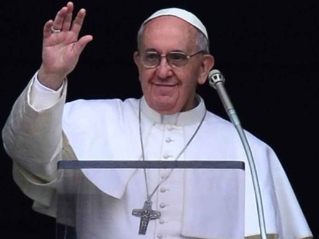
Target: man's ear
(206, 65)
(137, 62)
(136, 58)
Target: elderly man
(169, 122)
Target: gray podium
(84, 205)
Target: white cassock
(109, 130)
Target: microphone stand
(216, 80)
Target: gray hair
(201, 41)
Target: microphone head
(214, 77)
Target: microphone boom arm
(216, 80)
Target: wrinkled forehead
(170, 33)
(171, 24)
(187, 16)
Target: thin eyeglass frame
(168, 62)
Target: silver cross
(146, 214)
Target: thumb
(80, 44)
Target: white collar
(179, 119)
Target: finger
(78, 21)
(59, 18)
(81, 44)
(47, 29)
(68, 18)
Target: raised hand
(61, 46)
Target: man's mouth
(164, 85)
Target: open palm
(61, 50)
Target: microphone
(216, 81)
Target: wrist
(50, 80)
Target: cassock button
(162, 205)
(163, 190)
(159, 236)
(161, 221)
(168, 140)
(170, 127)
(166, 156)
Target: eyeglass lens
(174, 59)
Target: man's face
(170, 90)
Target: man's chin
(165, 106)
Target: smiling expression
(170, 90)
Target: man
(169, 122)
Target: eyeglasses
(152, 59)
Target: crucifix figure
(146, 214)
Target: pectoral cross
(146, 214)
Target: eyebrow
(150, 49)
(153, 49)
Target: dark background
(267, 52)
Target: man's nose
(164, 70)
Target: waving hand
(61, 46)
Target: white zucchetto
(182, 14)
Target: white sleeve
(33, 137)
(42, 97)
